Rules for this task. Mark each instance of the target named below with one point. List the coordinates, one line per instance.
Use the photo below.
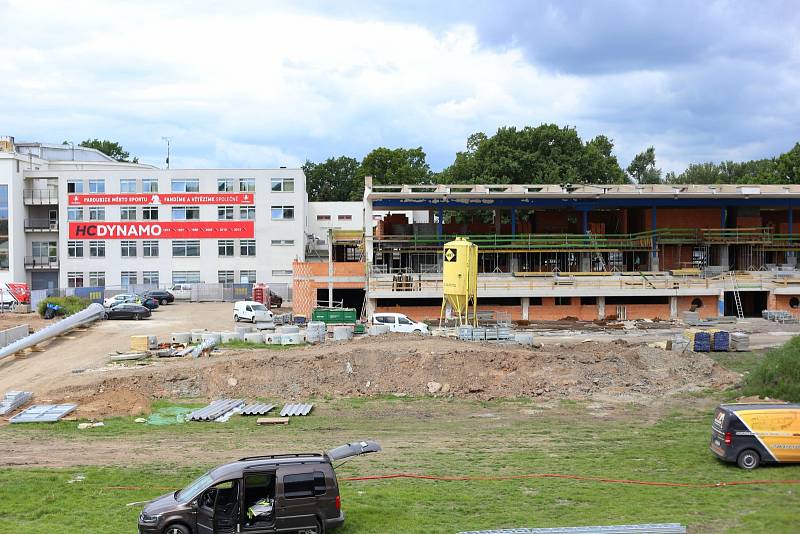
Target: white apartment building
(73, 217)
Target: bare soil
(411, 365)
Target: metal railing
(41, 262)
(40, 196)
(41, 225)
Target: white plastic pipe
(91, 313)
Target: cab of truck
(257, 495)
(751, 434)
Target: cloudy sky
(275, 83)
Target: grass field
(433, 437)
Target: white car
(398, 322)
(250, 310)
(116, 299)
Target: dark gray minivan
(257, 495)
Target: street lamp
(167, 139)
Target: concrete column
(723, 257)
(791, 258)
(369, 224)
(370, 307)
(525, 302)
(585, 222)
(496, 221)
(601, 308)
(586, 262)
(673, 307)
(514, 263)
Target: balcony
(40, 197)
(44, 263)
(41, 225)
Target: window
(794, 303)
(247, 213)
(225, 185)
(150, 249)
(247, 247)
(282, 185)
(128, 278)
(247, 184)
(186, 213)
(345, 217)
(281, 272)
(186, 249)
(97, 249)
(323, 217)
(48, 250)
(127, 213)
(282, 242)
(150, 278)
(403, 320)
(224, 213)
(282, 213)
(150, 213)
(185, 277)
(97, 214)
(74, 279)
(97, 186)
(225, 247)
(128, 249)
(588, 301)
(127, 186)
(383, 319)
(225, 277)
(74, 214)
(563, 301)
(247, 277)
(75, 187)
(304, 485)
(697, 303)
(75, 249)
(188, 185)
(97, 278)
(149, 185)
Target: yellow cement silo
(460, 277)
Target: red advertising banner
(99, 230)
(161, 198)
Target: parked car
(181, 291)
(149, 302)
(399, 322)
(754, 433)
(116, 299)
(249, 310)
(161, 295)
(127, 310)
(259, 494)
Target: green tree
(543, 154)
(395, 166)
(333, 180)
(643, 168)
(788, 165)
(109, 148)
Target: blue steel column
(440, 223)
(724, 217)
(513, 222)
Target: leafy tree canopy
(643, 168)
(109, 148)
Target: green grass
(778, 374)
(70, 304)
(740, 362)
(430, 436)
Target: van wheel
(318, 529)
(748, 459)
(253, 320)
(177, 529)
(235, 318)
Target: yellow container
(460, 276)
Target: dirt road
(89, 348)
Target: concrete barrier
(181, 337)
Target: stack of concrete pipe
(253, 337)
(183, 338)
(228, 337)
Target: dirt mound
(110, 403)
(410, 365)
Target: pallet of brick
(702, 342)
(740, 342)
(720, 341)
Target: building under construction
(589, 251)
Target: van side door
(296, 496)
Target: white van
(249, 310)
(181, 291)
(398, 322)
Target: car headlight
(149, 519)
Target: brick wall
(684, 218)
(782, 302)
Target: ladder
(737, 298)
